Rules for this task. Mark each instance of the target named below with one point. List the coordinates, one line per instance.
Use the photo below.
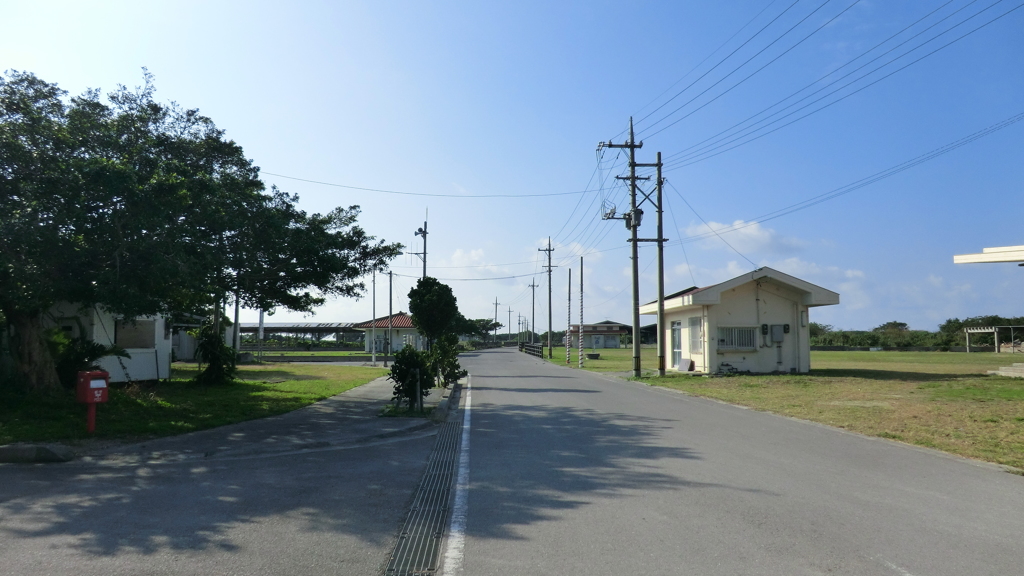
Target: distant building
(757, 322)
(403, 333)
(147, 339)
(607, 334)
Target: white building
(757, 322)
(147, 339)
(402, 333)
(607, 334)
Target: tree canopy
(434, 309)
(141, 208)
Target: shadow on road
(233, 506)
(532, 463)
(542, 390)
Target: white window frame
(677, 343)
(695, 328)
(737, 337)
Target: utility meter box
(92, 387)
(778, 333)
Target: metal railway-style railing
(532, 349)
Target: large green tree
(139, 207)
(434, 309)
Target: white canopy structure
(1000, 254)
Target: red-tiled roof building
(403, 333)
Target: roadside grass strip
(154, 409)
(611, 360)
(932, 399)
(315, 352)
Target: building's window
(696, 336)
(138, 334)
(736, 338)
(677, 344)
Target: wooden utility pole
(549, 250)
(495, 318)
(533, 307)
(373, 326)
(423, 255)
(633, 222)
(568, 323)
(661, 276)
(387, 347)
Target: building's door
(677, 344)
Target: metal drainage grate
(419, 543)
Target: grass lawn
(163, 409)
(315, 353)
(612, 359)
(940, 400)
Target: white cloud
(749, 238)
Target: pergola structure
(995, 335)
(989, 255)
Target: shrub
(218, 356)
(408, 367)
(73, 355)
(445, 359)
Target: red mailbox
(92, 388)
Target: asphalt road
(576, 473)
(322, 490)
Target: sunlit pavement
(578, 473)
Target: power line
(683, 247)
(683, 198)
(720, 62)
(867, 180)
(699, 64)
(683, 162)
(752, 74)
(470, 279)
(861, 55)
(425, 193)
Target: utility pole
(661, 276)
(387, 349)
(509, 324)
(373, 327)
(549, 250)
(568, 323)
(632, 222)
(495, 318)
(581, 313)
(423, 255)
(533, 307)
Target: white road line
(457, 528)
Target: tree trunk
(33, 356)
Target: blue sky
(476, 98)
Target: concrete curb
(35, 454)
(440, 412)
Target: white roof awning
(999, 254)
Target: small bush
(73, 355)
(445, 358)
(218, 356)
(408, 367)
